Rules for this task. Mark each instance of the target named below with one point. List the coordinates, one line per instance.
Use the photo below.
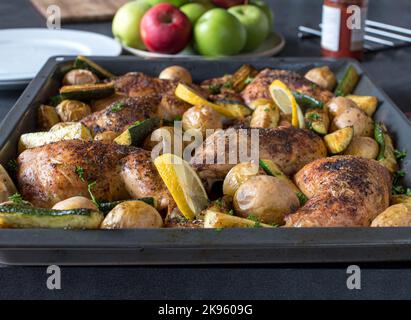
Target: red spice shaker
(343, 27)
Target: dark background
(389, 69)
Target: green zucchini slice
(135, 134)
(82, 62)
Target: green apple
(206, 3)
(255, 22)
(176, 3)
(193, 11)
(265, 8)
(219, 33)
(126, 23)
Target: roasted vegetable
(72, 110)
(323, 77)
(265, 115)
(232, 109)
(239, 174)
(202, 118)
(70, 132)
(131, 215)
(77, 202)
(105, 207)
(22, 216)
(87, 92)
(267, 198)
(318, 120)
(82, 62)
(47, 117)
(218, 220)
(307, 101)
(398, 215)
(339, 140)
(338, 105)
(135, 134)
(348, 82)
(7, 187)
(365, 147)
(176, 73)
(386, 155)
(106, 136)
(368, 104)
(242, 77)
(362, 124)
(402, 198)
(79, 77)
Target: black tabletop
(389, 69)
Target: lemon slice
(183, 183)
(285, 100)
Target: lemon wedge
(183, 183)
(285, 100)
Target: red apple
(227, 3)
(165, 29)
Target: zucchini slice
(82, 62)
(348, 82)
(214, 219)
(307, 101)
(87, 92)
(7, 187)
(242, 77)
(318, 120)
(47, 117)
(20, 216)
(232, 109)
(136, 134)
(73, 131)
(386, 156)
(339, 140)
(106, 207)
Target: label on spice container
(331, 25)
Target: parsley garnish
(399, 155)
(228, 84)
(397, 176)
(80, 172)
(116, 107)
(231, 212)
(255, 219)
(313, 116)
(248, 80)
(16, 198)
(267, 110)
(214, 88)
(178, 118)
(314, 86)
(302, 198)
(90, 186)
(219, 229)
(397, 188)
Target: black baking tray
(198, 246)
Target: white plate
(271, 46)
(24, 51)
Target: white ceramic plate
(24, 51)
(270, 47)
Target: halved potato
(365, 147)
(362, 124)
(398, 215)
(339, 140)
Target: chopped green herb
(397, 176)
(231, 212)
(255, 219)
(219, 229)
(228, 84)
(178, 118)
(248, 80)
(116, 107)
(274, 225)
(399, 155)
(16, 198)
(267, 110)
(302, 198)
(80, 172)
(90, 186)
(214, 89)
(218, 202)
(398, 189)
(314, 116)
(314, 86)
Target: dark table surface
(389, 69)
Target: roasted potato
(401, 198)
(176, 73)
(238, 175)
(267, 198)
(79, 77)
(75, 203)
(265, 116)
(323, 77)
(172, 108)
(338, 105)
(106, 136)
(132, 215)
(365, 147)
(7, 187)
(398, 215)
(215, 219)
(72, 110)
(362, 124)
(201, 118)
(368, 104)
(47, 117)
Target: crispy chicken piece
(290, 148)
(343, 191)
(57, 171)
(259, 87)
(120, 114)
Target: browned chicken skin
(343, 191)
(259, 87)
(48, 174)
(290, 148)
